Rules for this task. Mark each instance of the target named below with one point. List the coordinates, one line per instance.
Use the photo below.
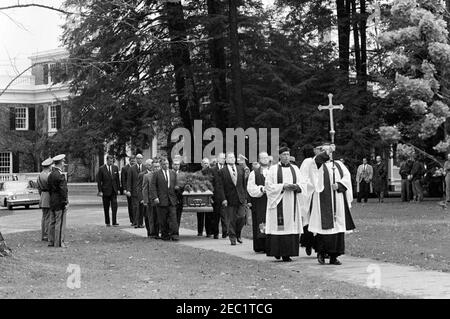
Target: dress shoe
(208, 236)
(321, 259)
(277, 257)
(308, 251)
(141, 226)
(165, 238)
(335, 261)
(233, 241)
(51, 244)
(115, 225)
(175, 239)
(45, 239)
(239, 239)
(199, 234)
(216, 236)
(286, 258)
(224, 235)
(108, 225)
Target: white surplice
(292, 220)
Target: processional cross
(332, 107)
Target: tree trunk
(236, 81)
(216, 46)
(363, 32)
(356, 40)
(184, 77)
(445, 88)
(343, 16)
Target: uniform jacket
(57, 185)
(42, 183)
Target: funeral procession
(224, 151)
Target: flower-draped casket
(197, 192)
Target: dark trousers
(151, 220)
(107, 201)
(57, 227)
(417, 190)
(364, 189)
(179, 212)
(200, 222)
(203, 219)
(138, 211)
(212, 219)
(223, 220)
(167, 218)
(406, 190)
(235, 216)
(130, 209)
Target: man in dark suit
(134, 191)
(233, 196)
(123, 178)
(219, 210)
(163, 194)
(151, 214)
(176, 167)
(57, 186)
(108, 187)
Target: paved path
(404, 280)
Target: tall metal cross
(331, 107)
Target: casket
(197, 201)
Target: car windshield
(16, 186)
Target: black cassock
(259, 206)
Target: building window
(52, 119)
(5, 163)
(21, 118)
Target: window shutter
(58, 117)
(45, 67)
(31, 118)
(12, 118)
(15, 163)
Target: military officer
(57, 185)
(44, 203)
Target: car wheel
(27, 206)
(10, 207)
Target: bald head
(263, 158)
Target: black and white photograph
(225, 155)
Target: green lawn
(117, 264)
(404, 233)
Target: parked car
(19, 193)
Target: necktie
(139, 168)
(109, 169)
(166, 173)
(234, 175)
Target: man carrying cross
(331, 201)
(285, 188)
(330, 206)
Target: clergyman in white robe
(328, 224)
(283, 215)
